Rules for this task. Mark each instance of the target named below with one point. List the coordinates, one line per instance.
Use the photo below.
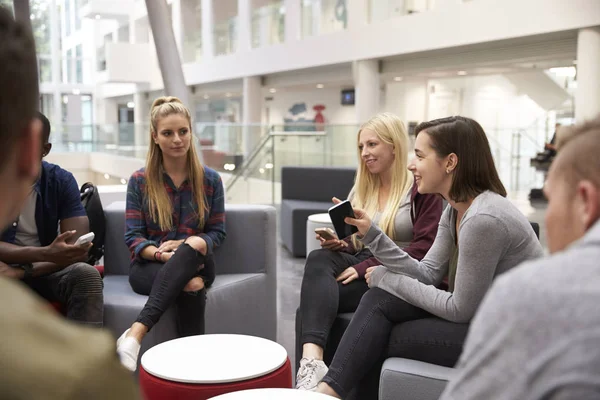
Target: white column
(141, 119)
(358, 13)
(293, 20)
(244, 32)
(56, 116)
(177, 22)
(587, 97)
(366, 82)
(208, 28)
(251, 112)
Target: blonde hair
(161, 209)
(365, 193)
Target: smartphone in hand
(338, 213)
(85, 239)
(326, 233)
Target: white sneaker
(310, 374)
(128, 349)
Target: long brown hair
(475, 172)
(161, 209)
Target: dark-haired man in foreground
(42, 356)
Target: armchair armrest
(415, 380)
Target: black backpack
(90, 198)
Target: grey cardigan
(494, 236)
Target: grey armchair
(242, 298)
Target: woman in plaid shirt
(175, 219)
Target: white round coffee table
(273, 394)
(203, 366)
(315, 221)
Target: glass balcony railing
(254, 175)
(268, 25)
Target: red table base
(155, 388)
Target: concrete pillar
(366, 82)
(166, 49)
(177, 23)
(251, 112)
(587, 97)
(141, 120)
(208, 27)
(56, 117)
(293, 20)
(244, 31)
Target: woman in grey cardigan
(481, 235)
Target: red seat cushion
(155, 388)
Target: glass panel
(192, 44)
(67, 18)
(381, 10)
(69, 62)
(323, 16)
(79, 64)
(268, 24)
(45, 69)
(225, 36)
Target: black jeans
(79, 287)
(322, 297)
(365, 341)
(164, 284)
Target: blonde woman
(175, 219)
(334, 276)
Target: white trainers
(310, 374)
(128, 349)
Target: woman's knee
(319, 262)
(197, 243)
(374, 298)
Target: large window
(323, 16)
(268, 24)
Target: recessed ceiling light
(76, 92)
(97, 16)
(272, 90)
(320, 86)
(206, 97)
(398, 78)
(228, 94)
(130, 104)
(123, 181)
(461, 73)
(106, 176)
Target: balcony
(127, 63)
(107, 9)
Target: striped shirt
(141, 231)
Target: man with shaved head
(537, 332)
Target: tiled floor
(291, 269)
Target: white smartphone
(84, 239)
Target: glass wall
(320, 17)
(192, 42)
(381, 10)
(225, 35)
(268, 24)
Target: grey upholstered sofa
(306, 191)
(241, 300)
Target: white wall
(407, 99)
(334, 113)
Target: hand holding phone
(329, 240)
(355, 218)
(85, 239)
